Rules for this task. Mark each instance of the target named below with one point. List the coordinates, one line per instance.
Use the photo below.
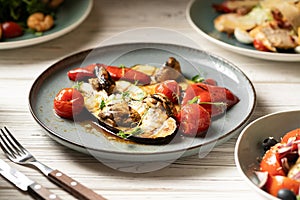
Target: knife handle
(74, 187)
(39, 192)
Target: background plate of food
(142, 99)
(25, 23)
(261, 29)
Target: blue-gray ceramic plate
(70, 15)
(249, 148)
(200, 15)
(87, 138)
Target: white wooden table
(277, 86)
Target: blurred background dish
(201, 14)
(69, 16)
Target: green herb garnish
(77, 85)
(125, 94)
(194, 100)
(102, 104)
(19, 10)
(198, 79)
(223, 104)
(135, 131)
(38, 34)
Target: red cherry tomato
(194, 120)
(213, 94)
(210, 81)
(271, 162)
(170, 89)
(11, 30)
(258, 44)
(68, 102)
(294, 133)
(0, 31)
(275, 183)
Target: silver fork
(18, 154)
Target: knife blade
(22, 182)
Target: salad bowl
(249, 147)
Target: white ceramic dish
(248, 147)
(69, 16)
(200, 15)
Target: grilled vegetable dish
(279, 171)
(143, 103)
(18, 16)
(269, 25)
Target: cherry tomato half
(194, 120)
(220, 97)
(68, 102)
(170, 89)
(294, 133)
(11, 30)
(258, 44)
(275, 183)
(210, 81)
(271, 162)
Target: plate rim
(52, 133)
(242, 51)
(46, 38)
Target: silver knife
(21, 181)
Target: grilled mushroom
(170, 71)
(103, 80)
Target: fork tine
(15, 142)
(6, 148)
(12, 143)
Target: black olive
(286, 194)
(268, 143)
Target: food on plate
(19, 16)
(11, 30)
(279, 172)
(269, 25)
(144, 103)
(171, 89)
(203, 94)
(40, 22)
(194, 120)
(68, 102)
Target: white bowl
(249, 144)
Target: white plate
(70, 15)
(200, 15)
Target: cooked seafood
(40, 22)
(16, 16)
(149, 107)
(271, 25)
